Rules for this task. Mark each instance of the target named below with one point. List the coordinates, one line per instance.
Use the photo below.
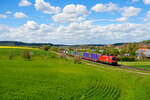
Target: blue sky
(75, 21)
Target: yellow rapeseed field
(17, 47)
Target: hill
(17, 43)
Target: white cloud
(147, 16)
(85, 32)
(71, 13)
(25, 3)
(105, 7)
(135, 0)
(3, 28)
(20, 15)
(3, 16)
(121, 19)
(130, 11)
(8, 12)
(146, 1)
(126, 12)
(45, 7)
(99, 8)
(31, 25)
(76, 33)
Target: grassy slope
(138, 64)
(47, 78)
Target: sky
(75, 21)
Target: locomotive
(95, 57)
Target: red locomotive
(108, 59)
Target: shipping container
(69, 52)
(94, 56)
(75, 53)
(86, 55)
(72, 53)
(80, 54)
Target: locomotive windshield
(114, 58)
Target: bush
(46, 47)
(11, 55)
(53, 48)
(77, 59)
(127, 58)
(27, 55)
(62, 55)
(53, 55)
(31, 54)
(60, 49)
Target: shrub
(77, 59)
(53, 48)
(60, 49)
(11, 55)
(31, 54)
(62, 55)
(127, 58)
(27, 55)
(53, 55)
(46, 47)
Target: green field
(48, 77)
(138, 64)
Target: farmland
(48, 77)
(138, 64)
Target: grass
(138, 64)
(46, 77)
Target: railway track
(129, 67)
(136, 70)
(121, 66)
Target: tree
(106, 51)
(122, 51)
(26, 54)
(11, 55)
(53, 48)
(77, 59)
(46, 47)
(143, 57)
(114, 52)
(91, 47)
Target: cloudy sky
(75, 21)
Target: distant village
(124, 52)
(143, 49)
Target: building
(142, 45)
(144, 51)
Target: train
(107, 59)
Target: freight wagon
(95, 57)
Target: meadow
(138, 64)
(48, 77)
